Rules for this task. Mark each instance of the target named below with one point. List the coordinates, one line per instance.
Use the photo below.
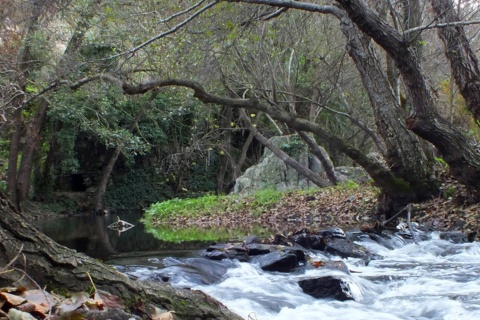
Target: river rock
(328, 287)
(347, 249)
(226, 251)
(454, 236)
(256, 249)
(278, 261)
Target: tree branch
(441, 25)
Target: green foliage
(294, 147)
(348, 185)
(137, 188)
(213, 205)
(263, 200)
(209, 204)
(166, 233)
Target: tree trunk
(58, 267)
(405, 156)
(227, 139)
(321, 155)
(456, 149)
(15, 140)
(307, 173)
(98, 201)
(463, 60)
(32, 140)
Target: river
(436, 279)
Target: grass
(214, 205)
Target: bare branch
(163, 34)
(305, 6)
(441, 25)
(173, 16)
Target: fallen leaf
(15, 314)
(76, 301)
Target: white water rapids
(433, 280)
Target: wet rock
(192, 270)
(346, 249)
(455, 237)
(256, 249)
(251, 240)
(336, 265)
(309, 241)
(278, 261)
(100, 315)
(328, 287)
(226, 251)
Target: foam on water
(433, 280)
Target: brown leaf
(12, 299)
(77, 300)
(109, 300)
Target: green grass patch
(213, 205)
(179, 235)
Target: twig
(91, 281)
(38, 286)
(409, 207)
(395, 215)
(14, 259)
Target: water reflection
(91, 235)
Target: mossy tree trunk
(55, 266)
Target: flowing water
(436, 279)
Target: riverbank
(346, 206)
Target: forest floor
(348, 207)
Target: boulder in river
(227, 251)
(328, 287)
(278, 261)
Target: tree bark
(58, 267)
(321, 155)
(32, 140)
(463, 60)
(227, 115)
(15, 140)
(405, 156)
(456, 149)
(307, 173)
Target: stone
(272, 173)
(328, 287)
(346, 249)
(278, 261)
(226, 251)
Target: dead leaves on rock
(22, 304)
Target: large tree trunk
(58, 267)
(405, 156)
(456, 149)
(463, 60)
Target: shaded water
(433, 280)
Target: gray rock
(272, 173)
(278, 261)
(327, 287)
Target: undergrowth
(218, 205)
